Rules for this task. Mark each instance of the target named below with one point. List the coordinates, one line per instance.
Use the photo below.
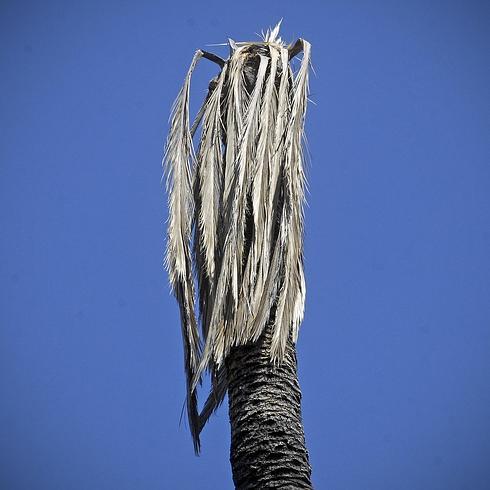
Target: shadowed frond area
(241, 196)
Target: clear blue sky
(394, 352)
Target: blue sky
(394, 352)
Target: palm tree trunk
(267, 438)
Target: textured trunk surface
(267, 438)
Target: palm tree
(236, 227)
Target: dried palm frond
(242, 196)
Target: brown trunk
(267, 438)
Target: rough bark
(267, 438)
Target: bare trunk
(267, 438)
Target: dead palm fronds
(236, 209)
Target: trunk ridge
(267, 439)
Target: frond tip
(239, 200)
